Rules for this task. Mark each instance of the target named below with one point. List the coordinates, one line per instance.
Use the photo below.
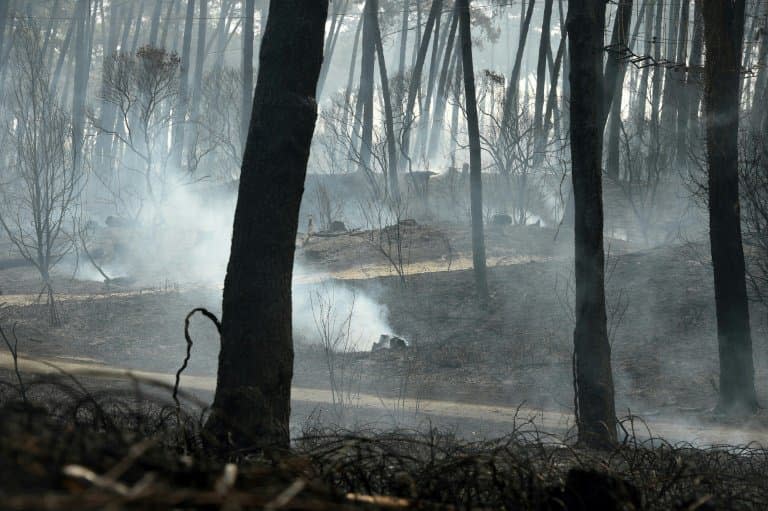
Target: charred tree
(510, 101)
(253, 393)
(541, 73)
(415, 84)
(593, 380)
(392, 156)
(475, 164)
(615, 69)
(82, 71)
(723, 33)
(365, 94)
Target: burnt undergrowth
(66, 446)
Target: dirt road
(552, 422)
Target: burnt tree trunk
(365, 95)
(541, 74)
(418, 69)
(723, 32)
(475, 165)
(253, 393)
(510, 100)
(615, 70)
(392, 156)
(595, 408)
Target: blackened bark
(389, 124)
(365, 94)
(681, 131)
(541, 72)
(615, 70)
(475, 164)
(671, 80)
(595, 414)
(613, 64)
(658, 72)
(418, 69)
(438, 113)
(510, 100)
(253, 392)
(641, 99)
(723, 33)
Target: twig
(208, 314)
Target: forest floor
(513, 351)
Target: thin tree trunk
(541, 72)
(330, 43)
(475, 164)
(615, 71)
(681, 131)
(658, 72)
(404, 37)
(252, 404)
(510, 101)
(431, 105)
(183, 103)
(593, 380)
(642, 90)
(392, 156)
(365, 94)
(415, 84)
(695, 75)
(669, 96)
(82, 70)
(173, 7)
(442, 87)
(351, 75)
(155, 24)
(139, 25)
(723, 33)
(197, 81)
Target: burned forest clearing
(384, 254)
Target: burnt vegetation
(383, 254)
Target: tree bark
(510, 101)
(82, 70)
(723, 33)
(389, 124)
(155, 24)
(182, 106)
(475, 164)
(541, 72)
(365, 92)
(438, 114)
(415, 84)
(615, 71)
(595, 408)
(404, 37)
(252, 404)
